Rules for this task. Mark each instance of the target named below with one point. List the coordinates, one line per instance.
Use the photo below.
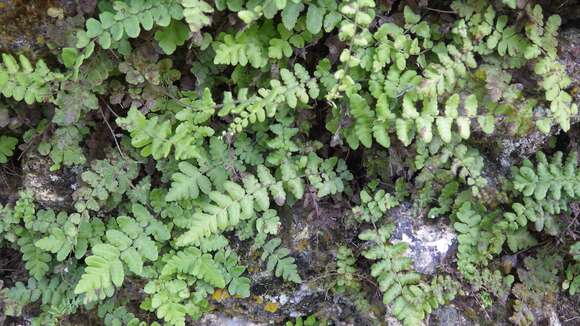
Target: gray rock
(569, 52)
(222, 320)
(50, 189)
(449, 315)
(429, 244)
(510, 150)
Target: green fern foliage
(279, 262)
(410, 299)
(22, 81)
(554, 179)
(7, 145)
(572, 281)
(126, 21)
(161, 159)
(196, 13)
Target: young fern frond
(22, 81)
(293, 89)
(279, 262)
(556, 179)
(126, 21)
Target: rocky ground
(312, 238)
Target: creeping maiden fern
(196, 13)
(410, 299)
(126, 248)
(126, 21)
(190, 130)
(7, 145)
(556, 179)
(21, 80)
(572, 273)
(279, 262)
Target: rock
(429, 244)
(27, 26)
(277, 303)
(51, 189)
(510, 150)
(311, 238)
(222, 320)
(569, 52)
(449, 315)
(553, 319)
(9, 181)
(567, 309)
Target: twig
(112, 133)
(442, 11)
(109, 107)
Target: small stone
(51, 189)
(429, 244)
(222, 320)
(449, 315)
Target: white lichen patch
(41, 192)
(429, 244)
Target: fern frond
(22, 81)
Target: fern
(192, 261)
(126, 247)
(64, 147)
(543, 214)
(410, 300)
(374, 207)
(346, 278)
(188, 130)
(23, 82)
(126, 20)
(279, 262)
(309, 321)
(158, 139)
(246, 47)
(54, 297)
(294, 89)
(555, 179)
(167, 300)
(172, 36)
(201, 268)
(66, 233)
(572, 273)
(188, 183)
(348, 281)
(103, 273)
(478, 241)
(119, 315)
(106, 182)
(537, 288)
(493, 283)
(225, 210)
(196, 13)
(7, 145)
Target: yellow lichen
(220, 295)
(303, 245)
(271, 307)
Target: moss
(25, 24)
